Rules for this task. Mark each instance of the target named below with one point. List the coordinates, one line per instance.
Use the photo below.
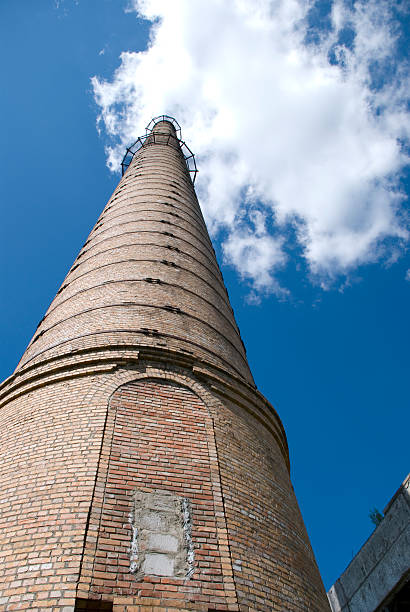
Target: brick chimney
(140, 467)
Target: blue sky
(326, 327)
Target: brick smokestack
(140, 467)
(147, 275)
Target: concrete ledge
(381, 563)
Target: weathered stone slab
(161, 543)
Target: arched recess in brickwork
(158, 440)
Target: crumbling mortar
(187, 528)
(133, 550)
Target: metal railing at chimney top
(142, 140)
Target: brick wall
(273, 563)
(162, 436)
(49, 441)
(159, 437)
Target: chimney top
(168, 131)
(164, 127)
(165, 124)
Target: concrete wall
(381, 562)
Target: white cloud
(256, 254)
(306, 134)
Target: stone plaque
(161, 535)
